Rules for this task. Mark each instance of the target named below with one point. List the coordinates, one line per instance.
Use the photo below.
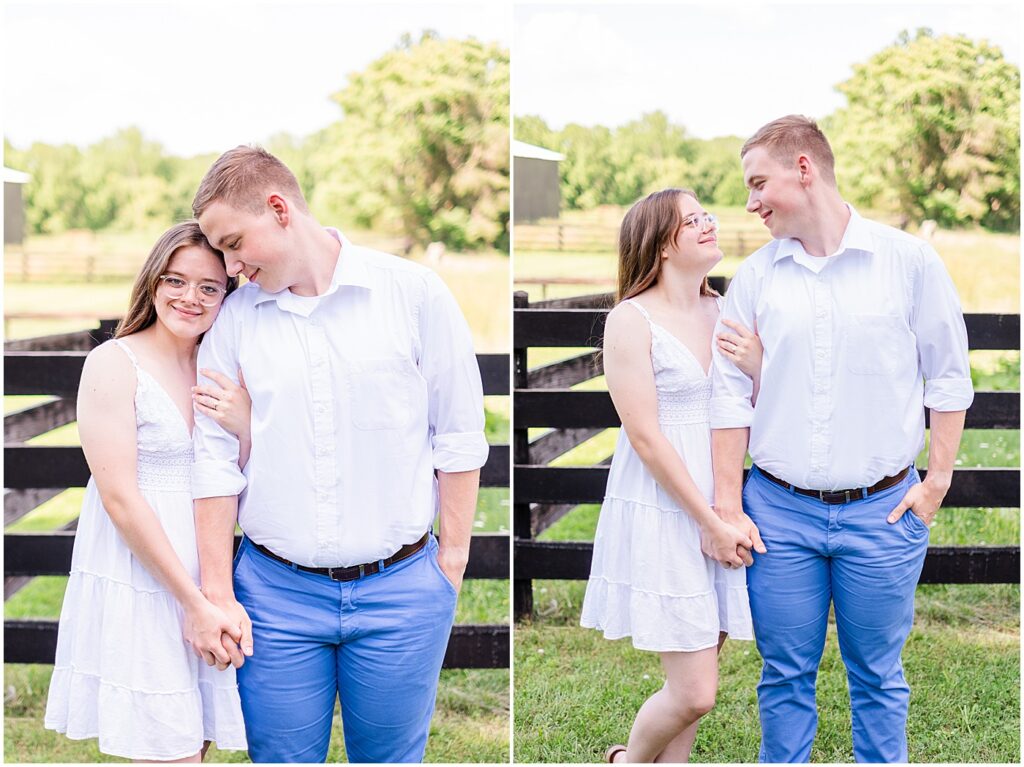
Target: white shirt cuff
(461, 451)
(213, 479)
(948, 394)
(731, 412)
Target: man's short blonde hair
(791, 135)
(242, 176)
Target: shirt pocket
(878, 344)
(383, 393)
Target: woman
(123, 672)
(666, 570)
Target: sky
(204, 75)
(722, 69)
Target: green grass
(576, 693)
(470, 722)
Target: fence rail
(543, 399)
(52, 365)
(561, 237)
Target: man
(363, 384)
(862, 330)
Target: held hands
(724, 543)
(215, 632)
(923, 499)
(737, 518)
(228, 404)
(742, 348)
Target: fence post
(560, 241)
(522, 588)
(24, 264)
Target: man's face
(776, 194)
(253, 245)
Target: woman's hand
(742, 348)
(203, 629)
(724, 543)
(228, 403)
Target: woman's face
(695, 245)
(185, 315)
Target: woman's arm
(230, 406)
(630, 376)
(106, 424)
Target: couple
(356, 416)
(861, 330)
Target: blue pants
(846, 554)
(378, 642)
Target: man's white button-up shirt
(358, 395)
(856, 345)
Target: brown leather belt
(840, 496)
(353, 572)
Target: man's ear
(805, 168)
(279, 207)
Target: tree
(649, 154)
(423, 144)
(932, 130)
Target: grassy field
(576, 693)
(479, 282)
(985, 267)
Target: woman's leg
(678, 749)
(691, 681)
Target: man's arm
(216, 482)
(456, 417)
(732, 411)
(728, 449)
(938, 324)
(457, 492)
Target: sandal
(613, 751)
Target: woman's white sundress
(649, 579)
(123, 672)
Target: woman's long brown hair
(142, 306)
(648, 228)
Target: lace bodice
(684, 391)
(164, 444)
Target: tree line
(931, 130)
(420, 149)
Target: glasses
(701, 222)
(207, 293)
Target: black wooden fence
(52, 365)
(542, 398)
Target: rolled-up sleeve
(731, 388)
(941, 338)
(455, 393)
(215, 469)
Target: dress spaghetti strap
(639, 308)
(124, 347)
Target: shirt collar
(349, 271)
(857, 238)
